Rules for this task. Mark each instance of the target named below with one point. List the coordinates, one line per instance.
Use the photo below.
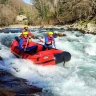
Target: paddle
(27, 43)
(41, 40)
(54, 45)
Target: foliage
(9, 9)
(7, 15)
(66, 11)
(48, 11)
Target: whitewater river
(77, 78)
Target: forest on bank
(43, 12)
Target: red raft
(47, 57)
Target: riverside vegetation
(80, 14)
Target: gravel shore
(89, 28)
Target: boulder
(91, 27)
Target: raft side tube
(62, 57)
(43, 58)
(67, 56)
(1, 58)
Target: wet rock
(10, 85)
(91, 27)
(55, 35)
(4, 92)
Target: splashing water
(77, 78)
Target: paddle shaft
(26, 44)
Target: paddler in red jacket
(26, 43)
(27, 30)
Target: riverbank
(89, 28)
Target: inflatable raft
(46, 57)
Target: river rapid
(77, 78)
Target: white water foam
(78, 78)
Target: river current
(77, 78)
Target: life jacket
(23, 30)
(29, 33)
(50, 39)
(27, 44)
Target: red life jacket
(27, 44)
(29, 33)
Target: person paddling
(27, 30)
(49, 41)
(26, 43)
